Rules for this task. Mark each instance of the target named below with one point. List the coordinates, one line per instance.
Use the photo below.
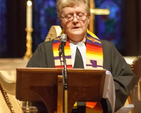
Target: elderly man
(74, 16)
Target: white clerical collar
(82, 48)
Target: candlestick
(29, 30)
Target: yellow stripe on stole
(92, 34)
(98, 57)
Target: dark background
(16, 24)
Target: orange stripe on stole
(94, 59)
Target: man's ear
(88, 18)
(61, 22)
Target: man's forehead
(76, 8)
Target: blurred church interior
(23, 26)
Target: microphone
(63, 40)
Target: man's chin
(77, 32)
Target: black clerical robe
(124, 78)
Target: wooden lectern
(42, 84)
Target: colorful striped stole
(94, 59)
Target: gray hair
(70, 3)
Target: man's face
(75, 21)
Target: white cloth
(109, 93)
(109, 89)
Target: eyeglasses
(79, 16)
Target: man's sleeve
(39, 57)
(124, 78)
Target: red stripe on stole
(67, 46)
(56, 46)
(96, 50)
(58, 67)
(68, 66)
(93, 46)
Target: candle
(29, 15)
(28, 29)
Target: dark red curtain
(132, 19)
(16, 23)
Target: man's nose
(75, 19)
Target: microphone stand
(64, 74)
